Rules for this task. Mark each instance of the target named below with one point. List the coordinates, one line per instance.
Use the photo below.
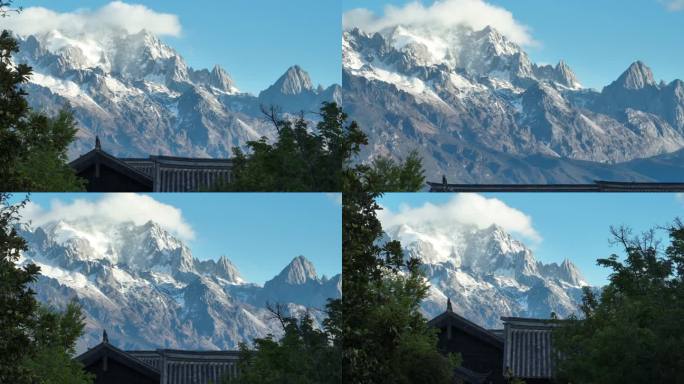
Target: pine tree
(631, 332)
(55, 342)
(385, 337)
(305, 159)
(32, 145)
(303, 355)
(17, 302)
(36, 343)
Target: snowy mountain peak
(637, 76)
(298, 272)
(567, 75)
(140, 96)
(571, 274)
(294, 81)
(138, 247)
(149, 292)
(488, 273)
(220, 79)
(226, 269)
(496, 43)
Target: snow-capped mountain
(147, 290)
(141, 97)
(479, 110)
(488, 274)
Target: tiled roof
(190, 367)
(528, 350)
(179, 174)
(450, 317)
(151, 358)
(108, 351)
(597, 186)
(98, 156)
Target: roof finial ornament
(449, 308)
(97, 142)
(105, 338)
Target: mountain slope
(488, 274)
(477, 108)
(141, 98)
(146, 289)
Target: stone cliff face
(488, 274)
(479, 110)
(141, 98)
(146, 289)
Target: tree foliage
(385, 337)
(304, 355)
(632, 331)
(55, 338)
(305, 159)
(17, 302)
(32, 145)
(36, 343)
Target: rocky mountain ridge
(480, 111)
(487, 273)
(141, 98)
(148, 291)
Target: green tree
(305, 159)
(55, 338)
(17, 301)
(303, 355)
(385, 337)
(36, 343)
(32, 145)
(389, 175)
(631, 332)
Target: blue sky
(598, 39)
(254, 40)
(260, 232)
(574, 226)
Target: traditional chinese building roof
(166, 366)
(528, 351)
(451, 318)
(110, 364)
(106, 173)
(191, 367)
(481, 350)
(596, 186)
(181, 174)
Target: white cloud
(464, 208)
(674, 5)
(476, 14)
(112, 209)
(116, 15)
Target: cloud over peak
(111, 209)
(464, 209)
(116, 15)
(476, 14)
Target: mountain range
(144, 287)
(487, 273)
(478, 110)
(141, 98)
